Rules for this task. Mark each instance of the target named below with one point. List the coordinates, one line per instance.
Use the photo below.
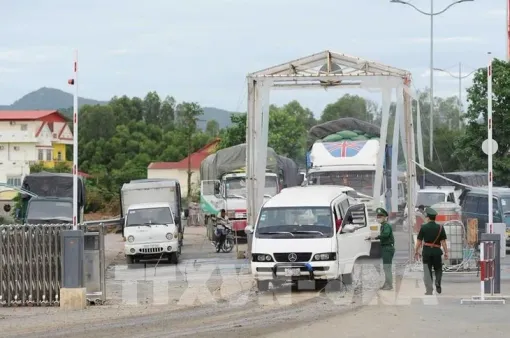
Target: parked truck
(345, 152)
(223, 184)
(51, 199)
(153, 191)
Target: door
(211, 201)
(352, 245)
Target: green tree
(212, 128)
(188, 115)
(347, 106)
(469, 145)
(287, 133)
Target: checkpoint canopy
(325, 70)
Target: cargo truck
(223, 184)
(345, 152)
(52, 199)
(153, 191)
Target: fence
(30, 264)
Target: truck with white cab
(223, 184)
(151, 233)
(352, 161)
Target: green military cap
(430, 212)
(381, 212)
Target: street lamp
(432, 14)
(460, 78)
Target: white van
(297, 238)
(151, 233)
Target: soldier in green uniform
(387, 247)
(431, 237)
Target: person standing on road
(431, 237)
(387, 247)
(221, 224)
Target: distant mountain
(51, 98)
(48, 99)
(221, 116)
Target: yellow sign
(472, 231)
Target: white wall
(178, 174)
(13, 152)
(13, 170)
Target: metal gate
(30, 264)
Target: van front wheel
(173, 258)
(262, 285)
(347, 279)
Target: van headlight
(327, 256)
(131, 239)
(169, 236)
(261, 258)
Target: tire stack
(349, 135)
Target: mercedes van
(310, 233)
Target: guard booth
(94, 265)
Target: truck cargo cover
(320, 131)
(471, 178)
(46, 184)
(290, 171)
(139, 195)
(231, 159)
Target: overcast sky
(201, 50)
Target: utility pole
(460, 95)
(74, 82)
(431, 14)
(459, 77)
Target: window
(49, 155)
(23, 127)
(149, 216)
(40, 156)
(344, 206)
(59, 156)
(295, 222)
(470, 204)
(483, 206)
(428, 199)
(451, 198)
(14, 181)
(361, 181)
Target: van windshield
(299, 222)
(428, 199)
(149, 216)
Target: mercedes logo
(292, 257)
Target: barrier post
(490, 272)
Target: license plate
(373, 228)
(292, 272)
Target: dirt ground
(214, 296)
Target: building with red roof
(179, 170)
(28, 137)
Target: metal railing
(30, 264)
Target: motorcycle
(228, 244)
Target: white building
(30, 137)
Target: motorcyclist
(221, 225)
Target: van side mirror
(216, 188)
(186, 213)
(248, 229)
